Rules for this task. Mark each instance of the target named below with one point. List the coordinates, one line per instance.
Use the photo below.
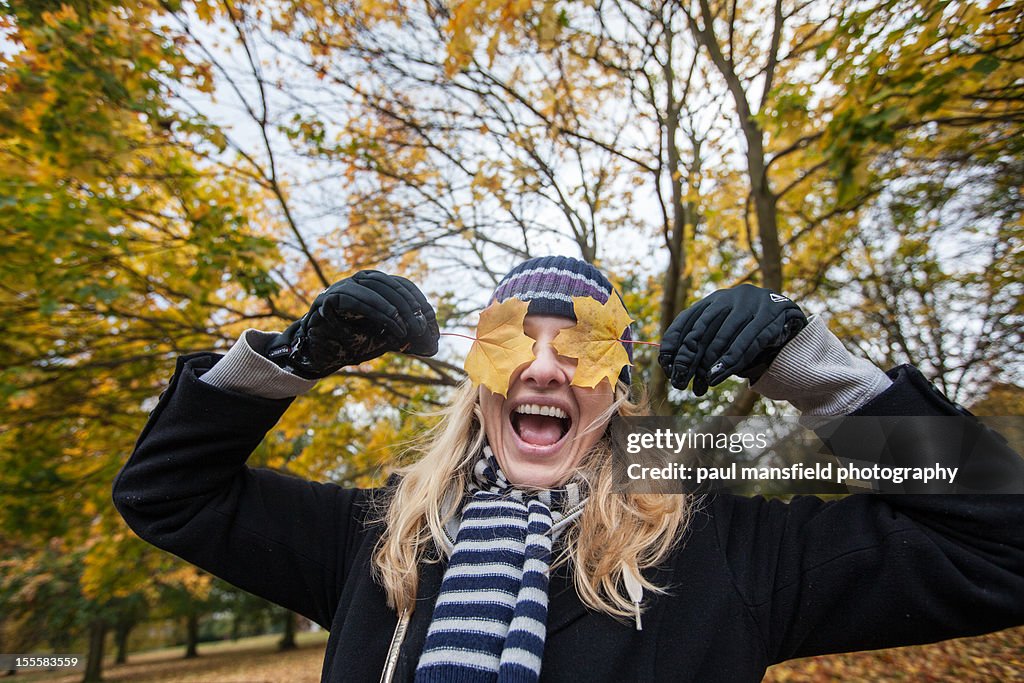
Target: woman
(502, 554)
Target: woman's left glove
(736, 331)
(355, 320)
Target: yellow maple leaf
(594, 340)
(501, 345)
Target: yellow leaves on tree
(594, 340)
(472, 20)
(501, 345)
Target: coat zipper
(397, 637)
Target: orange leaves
(501, 346)
(594, 340)
(992, 657)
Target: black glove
(736, 331)
(354, 320)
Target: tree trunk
(94, 660)
(675, 280)
(287, 641)
(765, 207)
(121, 640)
(766, 211)
(675, 234)
(192, 635)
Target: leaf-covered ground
(994, 657)
(998, 657)
(249, 660)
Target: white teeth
(535, 409)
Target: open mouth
(540, 425)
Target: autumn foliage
(176, 171)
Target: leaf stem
(456, 334)
(626, 341)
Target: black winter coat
(755, 581)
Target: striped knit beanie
(549, 283)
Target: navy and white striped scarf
(490, 620)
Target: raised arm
(865, 571)
(873, 571)
(186, 487)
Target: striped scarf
(490, 619)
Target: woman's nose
(548, 368)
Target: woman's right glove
(354, 320)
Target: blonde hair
(614, 533)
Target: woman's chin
(532, 476)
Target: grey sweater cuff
(244, 369)
(816, 374)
